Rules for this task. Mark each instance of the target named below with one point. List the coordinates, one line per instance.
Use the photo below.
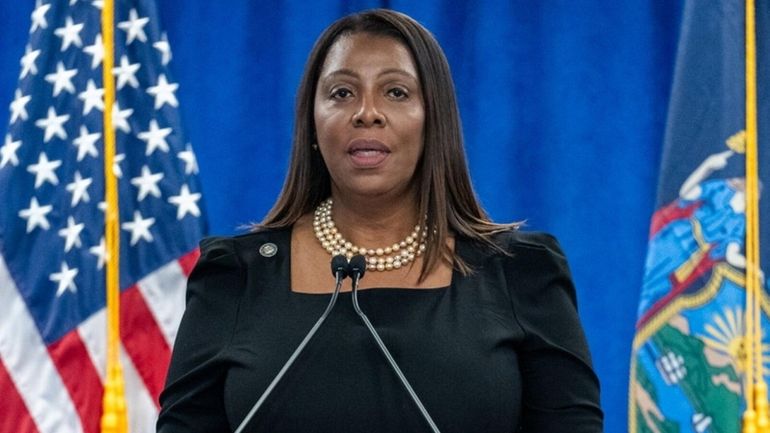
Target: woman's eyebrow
(343, 71)
(397, 71)
(351, 73)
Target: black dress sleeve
(560, 389)
(193, 398)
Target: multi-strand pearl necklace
(377, 259)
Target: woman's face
(369, 116)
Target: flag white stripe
(28, 363)
(142, 412)
(93, 334)
(164, 292)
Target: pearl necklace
(377, 259)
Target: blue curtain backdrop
(563, 106)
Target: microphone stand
(356, 271)
(340, 272)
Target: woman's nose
(368, 114)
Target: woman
(480, 317)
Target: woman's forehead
(365, 53)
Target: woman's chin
(375, 189)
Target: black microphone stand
(340, 272)
(356, 272)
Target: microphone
(356, 271)
(340, 271)
(340, 267)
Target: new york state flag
(690, 362)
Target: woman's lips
(367, 153)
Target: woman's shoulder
(540, 249)
(524, 252)
(536, 263)
(235, 250)
(261, 241)
(515, 241)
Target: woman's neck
(374, 222)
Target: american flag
(52, 249)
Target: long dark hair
(445, 194)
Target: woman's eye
(341, 93)
(398, 93)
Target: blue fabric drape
(563, 106)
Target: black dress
(501, 350)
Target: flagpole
(756, 391)
(114, 418)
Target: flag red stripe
(80, 377)
(188, 261)
(144, 341)
(13, 406)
